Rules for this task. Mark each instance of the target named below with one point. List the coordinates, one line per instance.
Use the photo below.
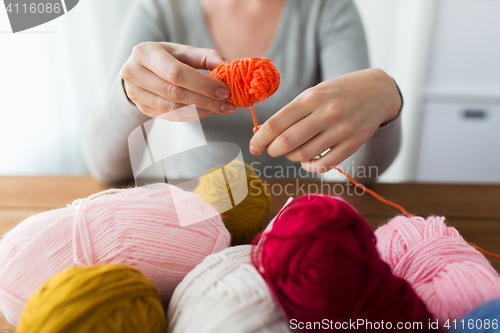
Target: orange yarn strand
(390, 203)
(378, 197)
(484, 251)
(254, 119)
(250, 81)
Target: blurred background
(444, 54)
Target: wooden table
(473, 209)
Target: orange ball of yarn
(250, 80)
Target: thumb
(195, 57)
(214, 59)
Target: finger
(150, 111)
(186, 117)
(146, 110)
(202, 113)
(311, 148)
(276, 125)
(333, 158)
(156, 105)
(155, 58)
(199, 58)
(295, 136)
(149, 81)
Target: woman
(327, 97)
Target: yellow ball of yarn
(112, 298)
(246, 219)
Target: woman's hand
(341, 114)
(162, 77)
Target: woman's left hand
(341, 114)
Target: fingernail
(222, 93)
(227, 108)
(253, 151)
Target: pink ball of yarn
(449, 275)
(137, 227)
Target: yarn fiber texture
(320, 261)
(486, 318)
(249, 217)
(449, 275)
(99, 299)
(225, 293)
(138, 227)
(250, 80)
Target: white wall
(462, 96)
(398, 35)
(51, 76)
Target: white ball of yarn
(225, 293)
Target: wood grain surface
(473, 209)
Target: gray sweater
(316, 40)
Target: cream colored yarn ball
(225, 293)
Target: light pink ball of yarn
(450, 276)
(137, 226)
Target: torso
(242, 28)
(293, 46)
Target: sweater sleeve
(343, 49)
(105, 138)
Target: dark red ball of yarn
(320, 262)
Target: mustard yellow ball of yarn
(245, 220)
(112, 298)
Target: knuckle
(164, 90)
(274, 126)
(176, 106)
(299, 155)
(307, 95)
(272, 152)
(168, 106)
(303, 155)
(132, 93)
(173, 73)
(212, 105)
(320, 165)
(141, 48)
(164, 105)
(144, 109)
(136, 50)
(323, 167)
(332, 113)
(379, 72)
(286, 140)
(175, 93)
(126, 72)
(345, 131)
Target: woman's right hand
(162, 77)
